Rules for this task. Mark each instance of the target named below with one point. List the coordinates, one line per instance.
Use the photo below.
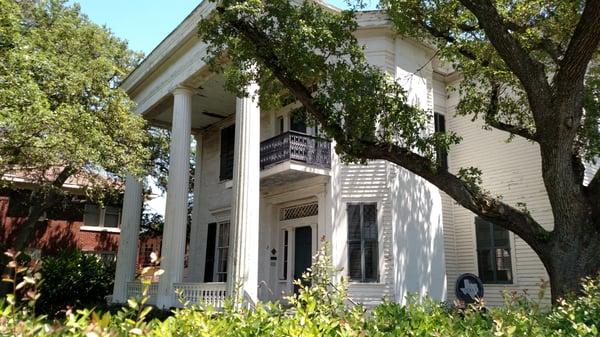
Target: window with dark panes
(222, 251)
(440, 126)
(217, 251)
(227, 145)
(298, 123)
(493, 252)
(363, 248)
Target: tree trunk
(570, 260)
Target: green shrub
(320, 309)
(74, 280)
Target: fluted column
(173, 243)
(199, 230)
(243, 268)
(128, 238)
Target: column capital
(183, 90)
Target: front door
(302, 252)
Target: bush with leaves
(321, 308)
(74, 280)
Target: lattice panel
(299, 211)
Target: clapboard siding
(511, 170)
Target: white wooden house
(264, 200)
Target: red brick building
(75, 224)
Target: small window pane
(354, 262)
(91, 215)
(486, 270)
(500, 236)
(227, 148)
(370, 222)
(353, 222)
(111, 217)
(371, 262)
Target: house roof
(79, 181)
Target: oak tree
(529, 68)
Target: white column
(243, 268)
(173, 243)
(128, 238)
(199, 230)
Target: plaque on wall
(469, 288)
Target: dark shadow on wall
(52, 236)
(106, 241)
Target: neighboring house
(262, 203)
(75, 224)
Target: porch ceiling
(211, 104)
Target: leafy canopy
(490, 88)
(60, 104)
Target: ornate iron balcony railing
(295, 146)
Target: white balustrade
(212, 294)
(135, 290)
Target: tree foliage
(62, 114)
(60, 105)
(529, 68)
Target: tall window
(97, 216)
(363, 249)
(217, 250)
(440, 126)
(493, 253)
(227, 146)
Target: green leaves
(59, 101)
(308, 53)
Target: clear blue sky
(144, 23)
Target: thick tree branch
(530, 72)
(519, 222)
(581, 48)
(492, 120)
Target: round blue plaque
(469, 288)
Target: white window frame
(217, 247)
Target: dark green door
(302, 252)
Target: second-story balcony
(293, 156)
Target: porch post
(173, 243)
(199, 230)
(243, 268)
(128, 238)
